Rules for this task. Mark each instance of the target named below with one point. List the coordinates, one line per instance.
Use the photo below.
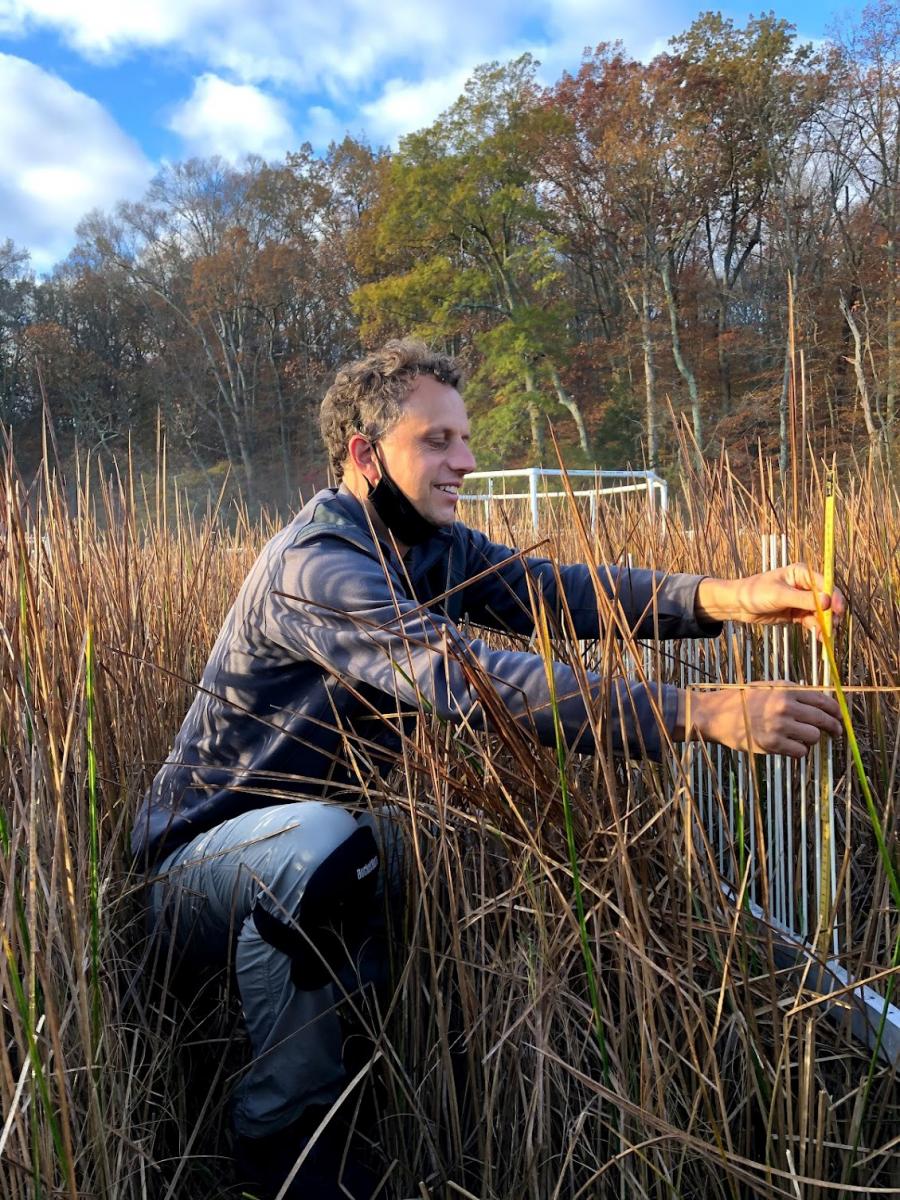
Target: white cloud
(342, 45)
(267, 40)
(575, 26)
(333, 47)
(99, 28)
(404, 107)
(62, 155)
(322, 127)
(232, 119)
(653, 49)
(376, 69)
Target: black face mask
(396, 510)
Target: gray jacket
(330, 629)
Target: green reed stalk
(30, 1027)
(859, 767)
(569, 823)
(93, 832)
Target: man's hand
(783, 596)
(762, 718)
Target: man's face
(427, 452)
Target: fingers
(821, 700)
(809, 599)
(814, 625)
(822, 712)
(798, 575)
(805, 735)
(792, 749)
(805, 719)
(766, 719)
(804, 601)
(793, 739)
(791, 721)
(804, 582)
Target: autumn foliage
(711, 234)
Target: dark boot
(330, 1171)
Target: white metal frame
(655, 487)
(792, 882)
(790, 888)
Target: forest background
(634, 239)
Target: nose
(462, 459)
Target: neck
(359, 489)
(397, 513)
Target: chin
(444, 517)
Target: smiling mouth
(449, 489)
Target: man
(349, 613)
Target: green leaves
(463, 251)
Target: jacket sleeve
(652, 604)
(341, 607)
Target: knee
(387, 826)
(339, 891)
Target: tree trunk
(680, 362)
(284, 444)
(722, 355)
(535, 417)
(891, 339)
(649, 381)
(571, 406)
(248, 466)
(783, 414)
(861, 385)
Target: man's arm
(786, 595)
(349, 612)
(651, 604)
(764, 718)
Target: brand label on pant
(362, 872)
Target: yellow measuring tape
(825, 799)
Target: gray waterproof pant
(296, 896)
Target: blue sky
(95, 94)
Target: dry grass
(694, 1071)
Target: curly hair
(367, 395)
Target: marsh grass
(577, 1013)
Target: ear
(361, 453)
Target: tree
(16, 306)
(747, 91)
(866, 110)
(630, 181)
(460, 250)
(226, 262)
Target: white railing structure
(769, 822)
(787, 807)
(648, 482)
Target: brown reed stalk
(724, 1079)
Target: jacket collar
(419, 558)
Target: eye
(437, 443)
